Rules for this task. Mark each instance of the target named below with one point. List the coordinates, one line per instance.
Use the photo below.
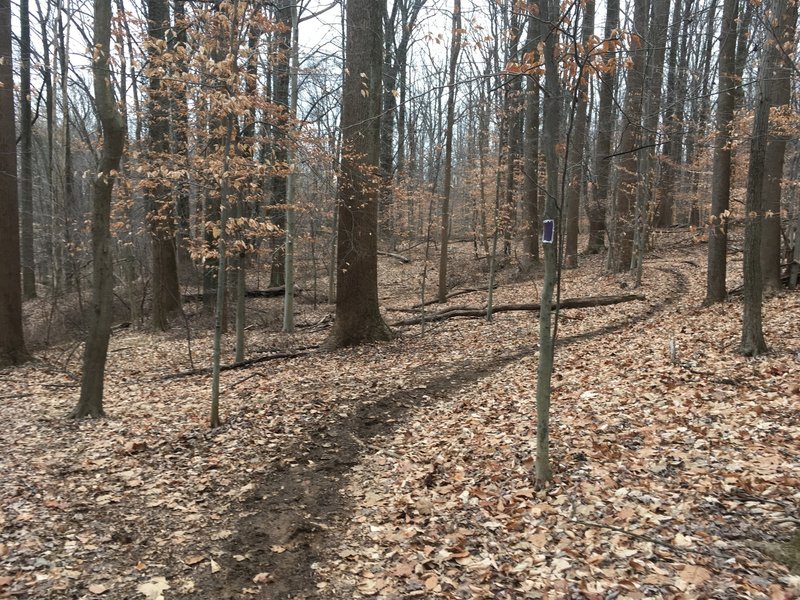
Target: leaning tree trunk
(12, 344)
(358, 317)
(721, 178)
(99, 330)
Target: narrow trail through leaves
(293, 515)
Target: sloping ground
(667, 475)
(401, 470)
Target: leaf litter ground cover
(402, 470)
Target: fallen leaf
(98, 588)
(194, 559)
(695, 574)
(262, 578)
(215, 568)
(153, 589)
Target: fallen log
(455, 294)
(272, 292)
(403, 259)
(477, 313)
(237, 365)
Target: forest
(399, 298)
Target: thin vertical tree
(113, 127)
(550, 136)
(575, 162)
(530, 171)
(605, 129)
(358, 317)
(26, 152)
(455, 49)
(721, 178)
(631, 140)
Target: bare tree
(552, 118)
(605, 129)
(721, 181)
(782, 14)
(779, 97)
(99, 330)
(26, 152)
(576, 146)
(455, 49)
(12, 343)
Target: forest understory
(403, 469)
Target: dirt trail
(296, 510)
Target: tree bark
(576, 144)
(721, 178)
(26, 153)
(12, 343)
(280, 91)
(455, 49)
(99, 330)
(753, 342)
(631, 141)
(358, 317)
(605, 129)
(166, 293)
(651, 107)
(779, 96)
(552, 119)
(530, 228)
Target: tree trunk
(26, 153)
(291, 182)
(631, 140)
(358, 317)
(779, 96)
(577, 143)
(552, 120)
(69, 208)
(166, 293)
(753, 342)
(651, 107)
(455, 48)
(280, 91)
(99, 327)
(674, 125)
(605, 129)
(530, 228)
(12, 343)
(514, 107)
(721, 179)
